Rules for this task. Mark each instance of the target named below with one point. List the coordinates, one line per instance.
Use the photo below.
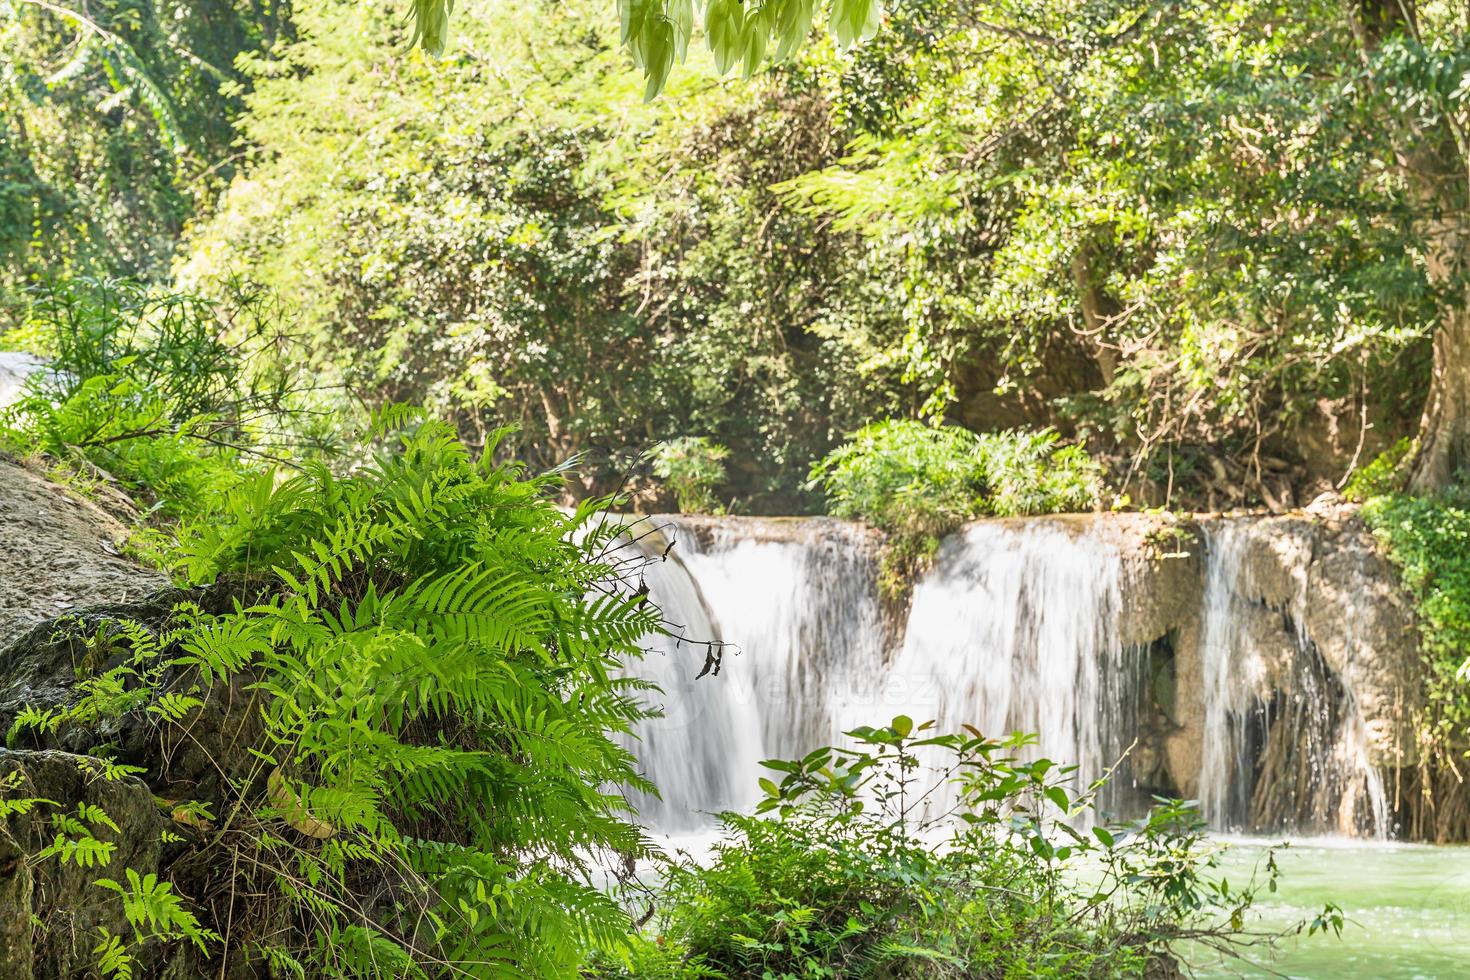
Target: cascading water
(699, 752)
(1015, 628)
(1284, 744)
(1010, 631)
(1013, 631)
(806, 633)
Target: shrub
(172, 395)
(1428, 539)
(1382, 476)
(919, 482)
(908, 477)
(838, 874)
(692, 467)
(426, 649)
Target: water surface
(1407, 905)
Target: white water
(1338, 788)
(15, 368)
(806, 656)
(1014, 629)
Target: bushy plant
(908, 477)
(919, 482)
(172, 395)
(693, 467)
(1428, 539)
(853, 867)
(905, 477)
(428, 653)
(1383, 475)
(1031, 472)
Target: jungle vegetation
(1214, 243)
(1025, 254)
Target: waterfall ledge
(1265, 664)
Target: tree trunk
(1444, 429)
(1435, 161)
(1098, 309)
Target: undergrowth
(429, 645)
(170, 397)
(919, 482)
(1427, 538)
(914, 854)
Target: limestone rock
(50, 913)
(62, 553)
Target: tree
(115, 122)
(1416, 61)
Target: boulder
(51, 910)
(62, 554)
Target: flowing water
(1015, 628)
(1321, 774)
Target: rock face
(51, 911)
(60, 554)
(62, 577)
(1298, 654)
(1280, 666)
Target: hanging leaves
(431, 25)
(656, 32)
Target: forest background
(1221, 245)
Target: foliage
(433, 650)
(1174, 225)
(1042, 215)
(908, 477)
(657, 32)
(1382, 476)
(919, 482)
(842, 877)
(115, 124)
(1428, 538)
(169, 394)
(602, 274)
(434, 656)
(692, 467)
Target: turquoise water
(1407, 905)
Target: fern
(155, 911)
(433, 650)
(433, 658)
(113, 959)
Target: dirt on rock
(59, 552)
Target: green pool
(1408, 907)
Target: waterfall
(1013, 631)
(1284, 745)
(797, 604)
(699, 751)
(1010, 631)
(1036, 626)
(1233, 676)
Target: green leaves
(855, 20)
(432, 657)
(853, 880)
(739, 32)
(431, 25)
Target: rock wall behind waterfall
(1266, 665)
